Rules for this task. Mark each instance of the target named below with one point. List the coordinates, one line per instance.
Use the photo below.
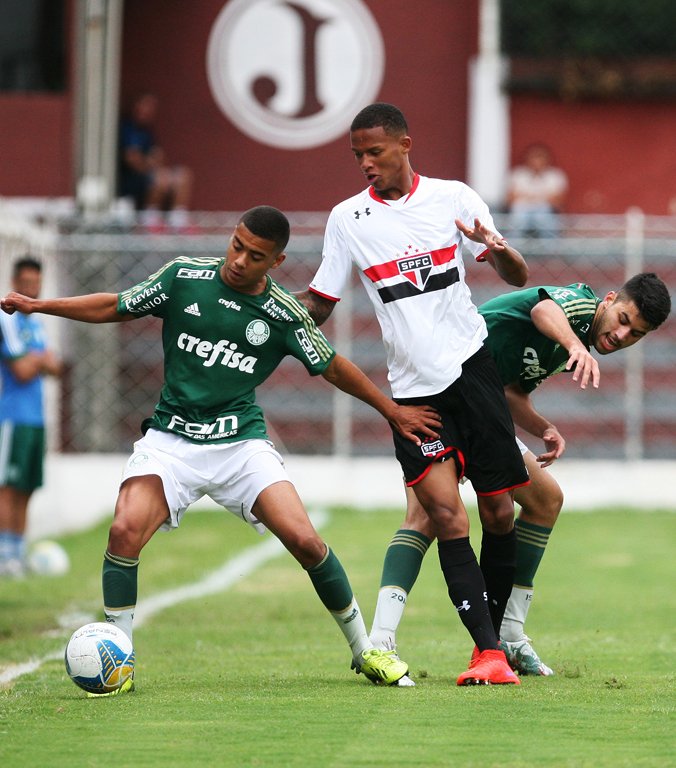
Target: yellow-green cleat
(126, 687)
(381, 667)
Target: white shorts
(232, 474)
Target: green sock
(401, 567)
(120, 590)
(531, 541)
(403, 559)
(331, 583)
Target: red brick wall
(427, 45)
(616, 154)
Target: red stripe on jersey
(375, 196)
(323, 295)
(392, 269)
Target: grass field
(258, 674)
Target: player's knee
(418, 520)
(554, 503)
(124, 537)
(496, 513)
(307, 547)
(446, 522)
(545, 506)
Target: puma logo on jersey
(193, 309)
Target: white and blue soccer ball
(47, 558)
(99, 657)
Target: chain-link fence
(114, 372)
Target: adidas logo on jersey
(193, 309)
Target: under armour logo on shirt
(365, 212)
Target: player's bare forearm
(510, 265)
(51, 364)
(318, 306)
(551, 321)
(26, 367)
(526, 417)
(409, 421)
(523, 413)
(92, 308)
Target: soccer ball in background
(47, 558)
(99, 657)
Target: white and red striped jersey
(409, 256)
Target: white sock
(351, 623)
(178, 217)
(519, 602)
(122, 619)
(150, 217)
(389, 612)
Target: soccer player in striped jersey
(532, 334)
(226, 326)
(410, 237)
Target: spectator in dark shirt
(144, 174)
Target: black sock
(467, 590)
(498, 565)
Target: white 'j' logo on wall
(293, 73)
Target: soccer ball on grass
(47, 558)
(99, 657)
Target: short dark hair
(381, 115)
(25, 262)
(269, 223)
(650, 295)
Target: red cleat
(489, 668)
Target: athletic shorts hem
(459, 463)
(503, 490)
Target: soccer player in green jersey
(226, 327)
(532, 335)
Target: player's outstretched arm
(505, 260)
(318, 306)
(525, 416)
(551, 321)
(407, 420)
(92, 308)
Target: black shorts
(477, 432)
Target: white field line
(219, 580)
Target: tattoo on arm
(318, 307)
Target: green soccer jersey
(523, 354)
(219, 345)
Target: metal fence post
(633, 397)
